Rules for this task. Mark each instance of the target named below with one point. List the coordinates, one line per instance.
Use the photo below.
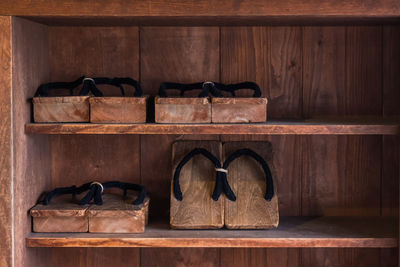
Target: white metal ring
(99, 184)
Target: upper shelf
(310, 127)
(203, 11)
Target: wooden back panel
(304, 71)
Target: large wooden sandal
(250, 174)
(193, 202)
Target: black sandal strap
(269, 192)
(197, 151)
(206, 88)
(96, 190)
(43, 90)
(89, 85)
(231, 88)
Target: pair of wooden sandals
(216, 185)
(95, 212)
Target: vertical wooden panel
(5, 143)
(104, 52)
(101, 158)
(390, 155)
(270, 56)
(326, 257)
(180, 257)
(94, 52)
(180, 54)
(363, 92)
(272, 257)
(31, 153)
(324, 71)
(285, 84)
(341, 175)
(96, 257)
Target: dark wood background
(305, 72)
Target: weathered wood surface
(61, 109)
(6, 144)
(208, 9)
(238, 110)
(197, 210)
(271, 127)
(292, 232)
(118, 109)
(248, 181)
(62, 215)
(182, 110)
(118, 215)
(31, 156)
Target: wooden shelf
(219, 10)
(377, 232)
(271, 128)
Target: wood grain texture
(61, 109)
(324, 71)
(207, 9)
(342, 175)
(197, 210)
(332, 232)
(102, 52)
(118, 109)
(270, 56)
(178, 54)
(180, 257)
(271, 128)
(94, 52)
(98, 257)
(31, 154)
(346, 181)
(363, 71)
(6, 145)
(118, 215)
(239, 110)
(247, 180)
(182, 110)
(271, 257)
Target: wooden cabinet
(331, 72)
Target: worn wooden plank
(197, 210)
(118, 109)
(271, 128)
(270, 56)
(208, 9)
(31, 154)
(6, 145)
(271, 257)
(324, 71)
(61, 109)
(247, 180)
(332, 232)
(182, 110)
(99, 257)
(180, 257)
(118, 215)
(239, 110)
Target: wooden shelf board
(271, 128)
(372, 232)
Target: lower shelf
(360, 232)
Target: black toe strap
(269, 192)
(191, 154)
